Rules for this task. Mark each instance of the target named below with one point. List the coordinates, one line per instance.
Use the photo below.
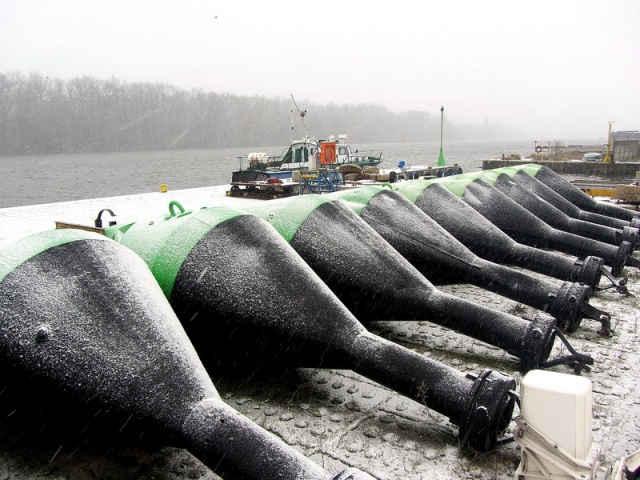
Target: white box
(558, 405)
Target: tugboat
(310, 154)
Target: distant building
(626, 146)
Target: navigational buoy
(553, 216)
(441, 258)
(83, 315)
(245, 297)
(574, 194)
(489, 242)
(376, 283)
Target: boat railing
(367, 153)
(271, 162)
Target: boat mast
(302, 113)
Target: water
(38, 179)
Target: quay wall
(622, 170)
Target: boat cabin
(311, 154)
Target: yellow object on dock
(596, 188)
(163, 188)
(599, 191)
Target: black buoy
(247, 299)
(543, 191)
(443, 259)
(575, 195)
(489, 242)
(556, 218)
(376, 283)
(524, 227)
(82, 315)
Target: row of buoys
(528, 229)
(508, 220)
(584, 202)
(79, 312)
(245, 297)
(555, 217)
(441, 258)
(375, 282)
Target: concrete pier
(622, 170)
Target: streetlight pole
(441, 156)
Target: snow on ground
(337, 418)
(18, 222)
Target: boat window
(343, 151)
(301, 154)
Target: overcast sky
(556, 69)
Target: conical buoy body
(554, 198)
(83, 315)
(443, 259)
(246, 297)
(554, 217)
(489, 242)
(376, 283)
(575, 195)
(524, 227)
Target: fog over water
(550, 69)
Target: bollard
(526, 228)
(443, 259)
(248, 300)
(83, 316)
(489, 242)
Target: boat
(310, 154)
(307, 164)
(412, 172)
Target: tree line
(41, 115)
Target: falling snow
(337, 418)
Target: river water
(38, 179)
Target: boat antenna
(302, 113)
